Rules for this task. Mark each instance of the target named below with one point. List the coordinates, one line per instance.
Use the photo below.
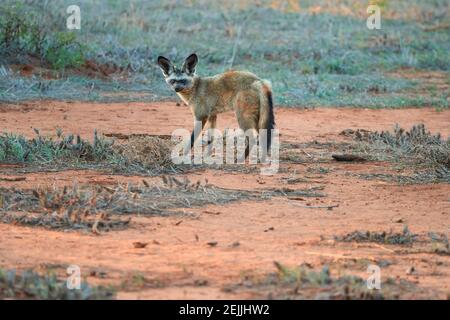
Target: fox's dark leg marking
(197, 130)
(254, 141)
(247, 148)
(212, 125)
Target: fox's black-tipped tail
(271, 120)
(266, 115)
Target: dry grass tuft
(418, 145)
(59, 208)
(148, 151)
(97, 207)
(405, 237)
(415, 149)
(303, 282)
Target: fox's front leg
(196, 132)
(212, 120)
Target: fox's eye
(172, 81)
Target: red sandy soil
(164, 117)
(178, 257)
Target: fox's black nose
(178, 89)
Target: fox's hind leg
(247, 113)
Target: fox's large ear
(190, 63)
(165, 65)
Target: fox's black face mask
(178, 79)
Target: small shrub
(24, 33)
(63, 51)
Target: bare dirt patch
(162, 118)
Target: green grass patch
(27, 33)
(325, 58)
(18, 149)
(31, 285)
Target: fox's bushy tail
(266, 116)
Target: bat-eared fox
(243, 92)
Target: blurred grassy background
(316, 53)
